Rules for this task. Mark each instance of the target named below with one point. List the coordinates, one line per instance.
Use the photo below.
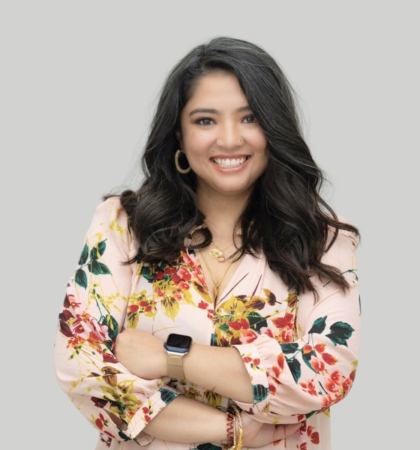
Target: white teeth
(229, 163)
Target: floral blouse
(301, 354)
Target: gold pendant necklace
(216, 284)
(218, 254)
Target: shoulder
(110, 211)
(111, 220)
(340, 252)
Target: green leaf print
(166, 395)
(101, 247)
(318, 326)
(94, 254)
(81, 278)
(122, 435)
(289, 348)
(294, 366)
(98, 268)
(260, 393)
(256, 321)
(224, 327)
(148, 273)
(340, 332)
(112, 325)
(208, 447)
(84, 256)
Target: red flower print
(311, 389)
(331, 386)
(317, 364)
(326, 401)
(170, 270)
(235, 325)
(315, 438)
(256, 361)
(202, 304)
(247, 359)
(183, 285)
(267, 331)
(159, 293)
(159, 275)
(280, 361)
(329, 359)
(347, 385)
(283, 322)
(287, 335)
(133, 308)
(272, 389)
(109, 358)
(314, 435)
(248, 336)
(176, 279)
(184, 274)
(353, 375)
(307, 348)
(276, 371)
(336, 377)
(99, 424)
(303, 446)
(320, 348)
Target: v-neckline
(229, 286)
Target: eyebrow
(215, 111)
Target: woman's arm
(207, 424)
(219, 369)
(100, 387)
(291, 381)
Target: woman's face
(224, 144)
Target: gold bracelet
(238, 445)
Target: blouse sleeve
(295, 380)
(94, 309)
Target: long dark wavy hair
(285, 216)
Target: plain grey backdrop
(79, 83)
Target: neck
(222, 212)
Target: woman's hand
(141, 353)
(257, 434)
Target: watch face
(178, 343)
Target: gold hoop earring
(178, 167)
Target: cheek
(194, 141)
(260, 142)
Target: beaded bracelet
(231, 430)
(237, 412)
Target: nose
(229, 136)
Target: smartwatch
(177, 346)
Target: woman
(217, 305)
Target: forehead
(217, 87)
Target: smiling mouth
(230, 163)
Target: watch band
(175, 365)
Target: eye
(250, 119)
(205, 121)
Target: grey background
(79, 82)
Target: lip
(236, 155)
(230, 169)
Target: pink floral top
(301, 356)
